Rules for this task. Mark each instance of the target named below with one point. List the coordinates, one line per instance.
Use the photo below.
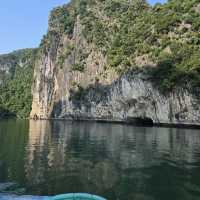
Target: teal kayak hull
(70, 196)
(76, 196)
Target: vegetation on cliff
(132, 34)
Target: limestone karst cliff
(118, 61)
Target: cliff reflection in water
(115, 161)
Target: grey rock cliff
(131, 96)
(98, 92)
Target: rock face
(97, 94)
(72, 80)
(54, 84)
(131, 97)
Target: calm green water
(118, 162)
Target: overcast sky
(24, 22)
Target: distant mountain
(16, 72)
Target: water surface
(118, 162)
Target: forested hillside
(15, 83)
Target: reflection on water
(118, 162)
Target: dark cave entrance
(145, 121)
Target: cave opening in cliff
(141, 121)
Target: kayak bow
(70, 196)
(77, 196)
